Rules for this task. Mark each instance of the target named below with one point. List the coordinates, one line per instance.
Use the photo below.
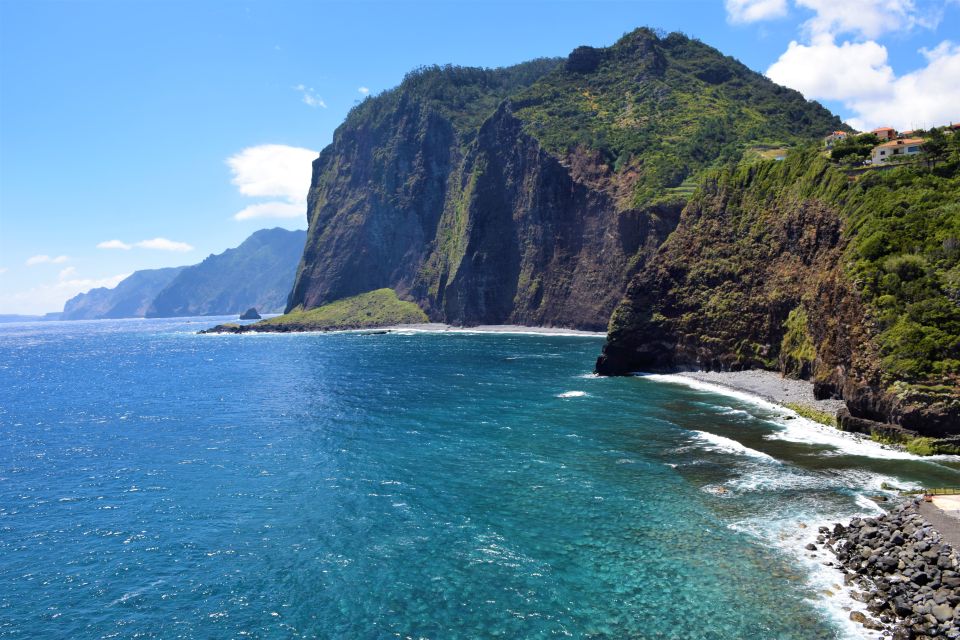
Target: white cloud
(859, 76)
(824, 70)
(310, 97)
(273, 171)
(365, 91)
(742, 11)
(921, 99)
(271, 210)
(163, 244)
(3, 270)
(866, 18)
(45, 259)
(114, 244)
(68, 272)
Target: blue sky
(142, 134)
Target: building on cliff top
(833, 138)
(896, 149)
(885, 133)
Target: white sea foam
(673, 378)
(572, 394)
(833, 598)
(783, 530)
(713, 442)
(799, 429)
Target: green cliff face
(793, 266)
(256, 274)
(532, 194)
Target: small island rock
(250, 314)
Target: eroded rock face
(504, 233)
(756, 245)
(531, 194)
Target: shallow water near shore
(155, 483)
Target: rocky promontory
(380, 308)
(902, 569)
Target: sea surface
(155, 483)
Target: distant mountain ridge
(129, 299)
(258, 273)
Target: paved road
(947, 525)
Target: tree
(935, 147)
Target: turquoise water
(159, 484)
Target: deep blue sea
(155, 483)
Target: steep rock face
(531, 194)
(540, 246)
(258, 273)
(759, 274)
(129, 299)
(375, 199)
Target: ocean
(155, 483)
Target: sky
(139, 134)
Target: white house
(896, 148)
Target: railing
(943, 491)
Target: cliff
(258, 273)
(532, 194)
(793, 266)
(129, 299)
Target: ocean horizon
(156, 483)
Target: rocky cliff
(532, 194)
(794, 266)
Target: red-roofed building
(885, 133)
(834, 138)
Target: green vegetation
(904, 227)
(919, 446)
(797, 351)
(378, 308)
(854, 150)
(465, 95)
(903, 232)
(823, 417)
(793, 265)
(665, 107)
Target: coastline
(426, 327)
(439, 327)
(770, 386)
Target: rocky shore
(899, 566)
(770, 386)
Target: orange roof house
(836, 136)
(885, 133)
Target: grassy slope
(378, 308)
(667, 108)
